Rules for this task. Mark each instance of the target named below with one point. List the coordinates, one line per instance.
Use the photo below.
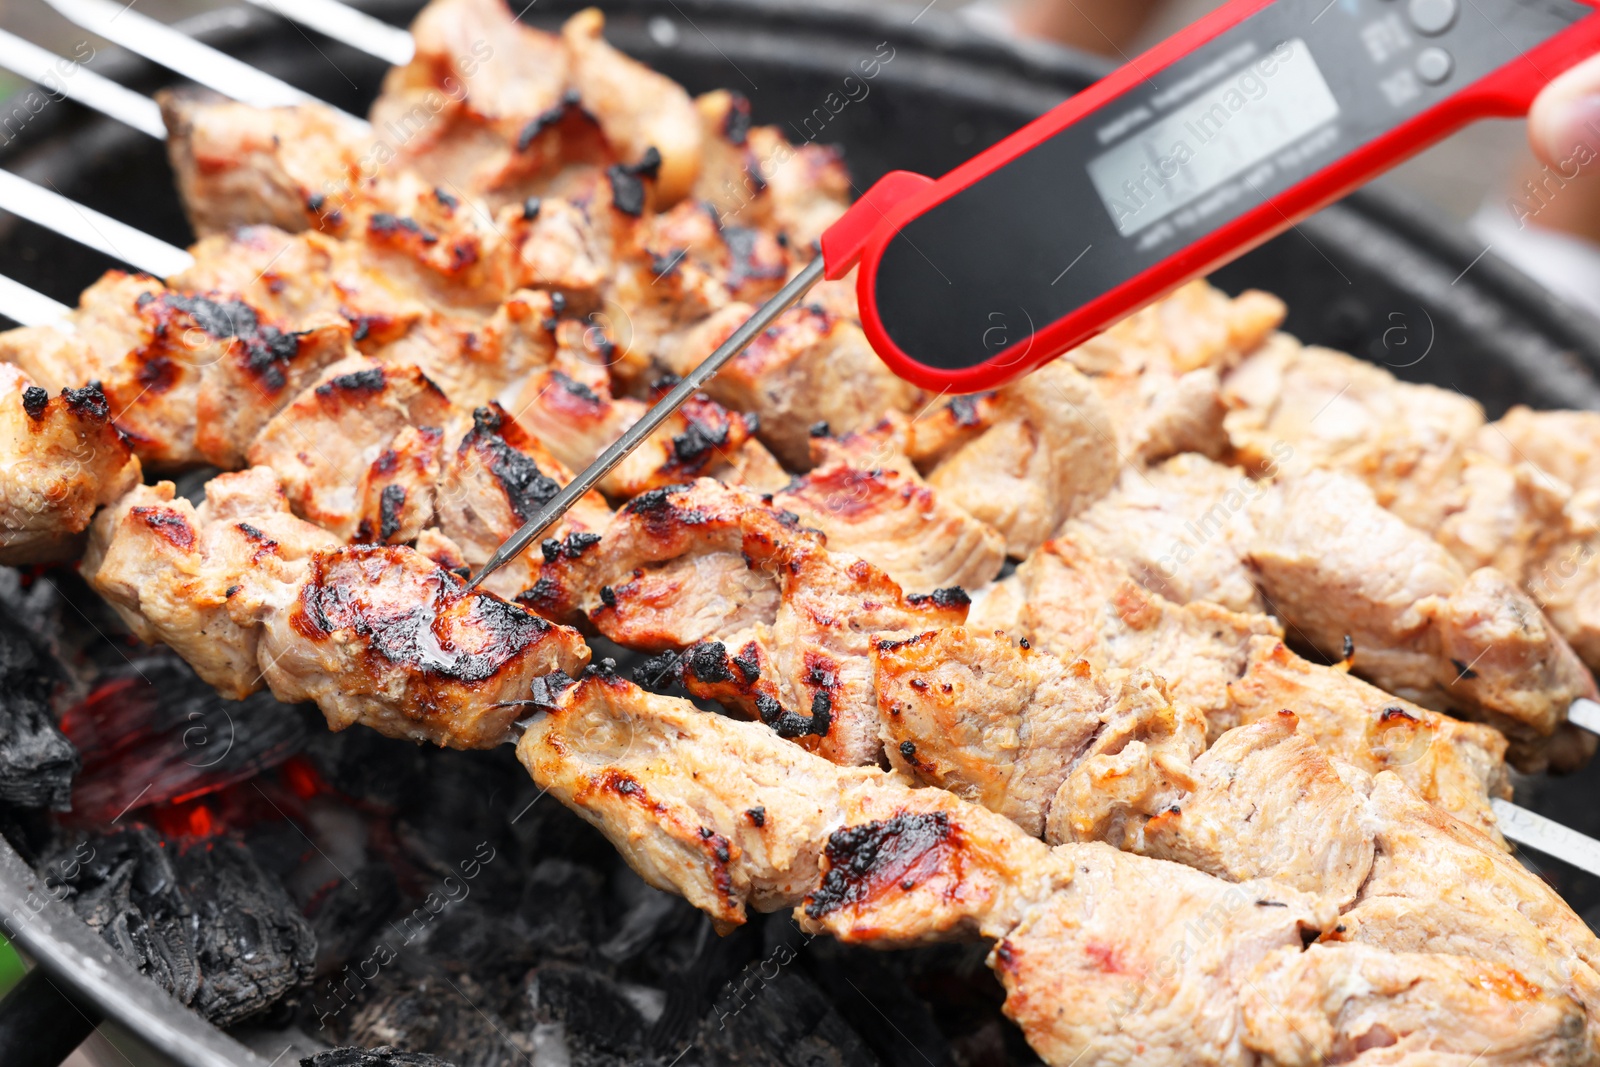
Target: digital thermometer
(1180, 161)
(1187, 157)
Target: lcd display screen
(1237, 124)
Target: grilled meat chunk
(577, 414)
(1182, 528)
(752, 175)
(1050, 452)
(638, 109)
(379, 635)
(188, 378)
(1352, 1004)
(383, 637)
(1456, 766)
(1233, 668)
(996, 725)
(1299, 407)
(239, 165)
(865, 495)
(1072, 602)
(774, 624)
(1336, 566)
(335, 447)
(1563, 444)
(1106, 957)
(200, 580)
(1159, 371)
(60, 459)
(811, 366)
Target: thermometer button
(1433, 17)
(1434, 65)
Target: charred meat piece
(775, 625)
(239, 165)
(572, 407)
(60, 459)
(337, 448)
(811, 366)
(382, 637)
(187, 378)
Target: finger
(1567, 114)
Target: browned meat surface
(239, 165)
(60, 459)
(189, 378)
(482, 104)
(379, 635)
(1106, 957)
(1074, 603)
(1514, 494)
(755, 176)
(1233, 668)
(993, 724)
(637, 108)
(1049, 453)
(383, 637)
(334, 447)
(571, 407)
(775, 625)
(1334, 566)
(811, 366)
(200, 580)
(865, 495)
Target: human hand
(1567, 114)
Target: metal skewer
(89, 227)
(184, 55)
(348, 26)
(590, 476)
(69, 78)
(29, 307)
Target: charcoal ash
(579, 1016)
(37, 762)
(205, 922)
(386, 1056)
(411, 1006)
(789, 1022)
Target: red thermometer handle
(1202, 148)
